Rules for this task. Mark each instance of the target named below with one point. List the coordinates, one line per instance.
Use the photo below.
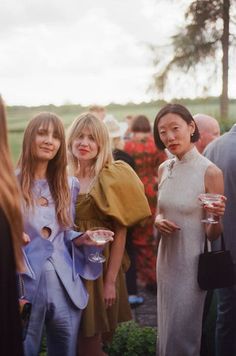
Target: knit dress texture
(179, 298)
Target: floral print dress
(147, 160)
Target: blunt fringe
(101, 136)
(57, 167)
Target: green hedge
(130, 339)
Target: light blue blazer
(70, 262)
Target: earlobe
(193, 128)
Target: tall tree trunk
(225, 61)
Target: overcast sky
(81, 51)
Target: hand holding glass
(208, 199)
(100, 235)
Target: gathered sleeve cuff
(119, 193)
(70, 235)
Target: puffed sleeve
(119, 193)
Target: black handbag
(215, 268)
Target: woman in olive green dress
(112, 196)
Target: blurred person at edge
(117, 143)
(222, 152)
(11, 232)
(98, 110)
(112, 196)
(182, 234)
(147, 159)
(209, 130)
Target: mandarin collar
(188, 156)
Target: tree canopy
(203, 42)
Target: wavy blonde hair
(9, 193)
(56, 170)
(100, 134)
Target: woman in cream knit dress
(181, 181)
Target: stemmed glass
(100, 236)
(208, 199)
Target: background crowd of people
(139, 188)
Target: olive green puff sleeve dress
(118, 195)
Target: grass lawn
(18, 116)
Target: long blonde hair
(56, 170)
(100, 134)
(9, 193)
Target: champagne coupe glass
(208, 199)
(100, 236)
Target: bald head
(209, 130)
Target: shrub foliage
(130, 339)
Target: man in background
(209, 130)
(222, 152)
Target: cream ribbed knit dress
(180, 301)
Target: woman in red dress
(147, 158)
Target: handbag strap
(21, 286)
(221, 240)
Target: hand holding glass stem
(97, 236)
(214, 205)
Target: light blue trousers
(53, 309)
